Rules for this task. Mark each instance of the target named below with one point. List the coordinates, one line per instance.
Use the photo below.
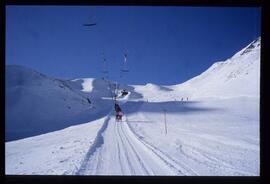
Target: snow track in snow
(97, 143)
(119, 151)
(178, 168)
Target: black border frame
(264, 122)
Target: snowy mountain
(237, 76)
(36, 103)
(206, 126)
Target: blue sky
(165, 45)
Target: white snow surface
(87, 84)
(207, 126)
(55, 153)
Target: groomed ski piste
(207, 126)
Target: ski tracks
(178, 168)
(99, 140)
(118, 150)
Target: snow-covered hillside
(237, 76)
(207, 126)
(37, 104)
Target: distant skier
(187, 98)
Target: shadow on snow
(170, 107)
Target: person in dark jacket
(117, 107)
(118, 112)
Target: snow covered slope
(54, 153)
(237, 76)
(215, 132)
(208, 138)
(37, 104)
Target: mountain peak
(256, 43)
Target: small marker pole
(165, 122)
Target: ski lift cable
(125, 69)
(104, 69)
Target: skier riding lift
(118, 111)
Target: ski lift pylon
(125, 66)
(104, 68)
